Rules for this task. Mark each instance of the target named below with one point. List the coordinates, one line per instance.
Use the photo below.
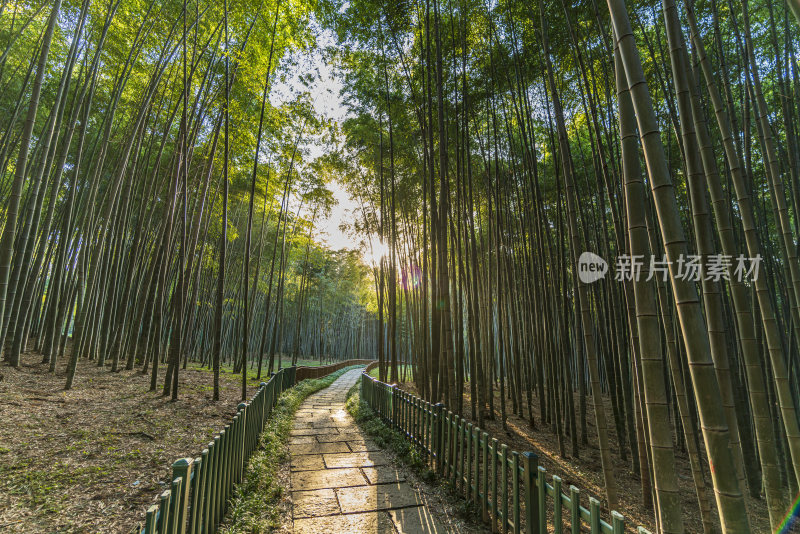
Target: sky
(325, 92)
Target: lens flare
(792, 519)
(411, 277)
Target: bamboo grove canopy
(159, 206)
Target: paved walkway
(343, 483)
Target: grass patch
(403, 370)
(252, 372)
(255, 503)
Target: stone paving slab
(355, 459)
(308, 431)
(299, 425)
(320, 421)
(416, 520)
(372, 522)
(328, 437)
(327, 478)
(360, 445)
(328, 424)
(315, 503)
(377, 497)
(308, 462)
(302, 440)
(320, 448)
(383, 475)
(339, 436)
(342, 482)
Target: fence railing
(509, 488)
(198, 496)
(324, 370)
(370, 367)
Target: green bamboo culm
(665, 477)
(730, 501)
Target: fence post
(530, 467)
(229, 449)
(484, 437)
(575, 509)
(263, 411)
(557, 503)
(163, 511)
(594, 516)
(392, 393)
(201, 493)
(270, 396)
(174, 507)
(197, 472)
(182, 468)
(617, 523)
(438, 435)
(541, 484)
(208, 489)
(493, 470)
(219, 482)
(242, 409)
(515, 488)
(150, 520)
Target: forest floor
(93, 458)
(586, 473)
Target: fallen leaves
(93, 458)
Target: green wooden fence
(304, 372)
(196, 501)
(509, 488)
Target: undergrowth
(254, 507)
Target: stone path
(343, 483)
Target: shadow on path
(342, 482)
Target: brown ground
(93, 458)
(586, 473)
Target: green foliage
(141, 48)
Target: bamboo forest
(400, 266)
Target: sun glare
(374, 252)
